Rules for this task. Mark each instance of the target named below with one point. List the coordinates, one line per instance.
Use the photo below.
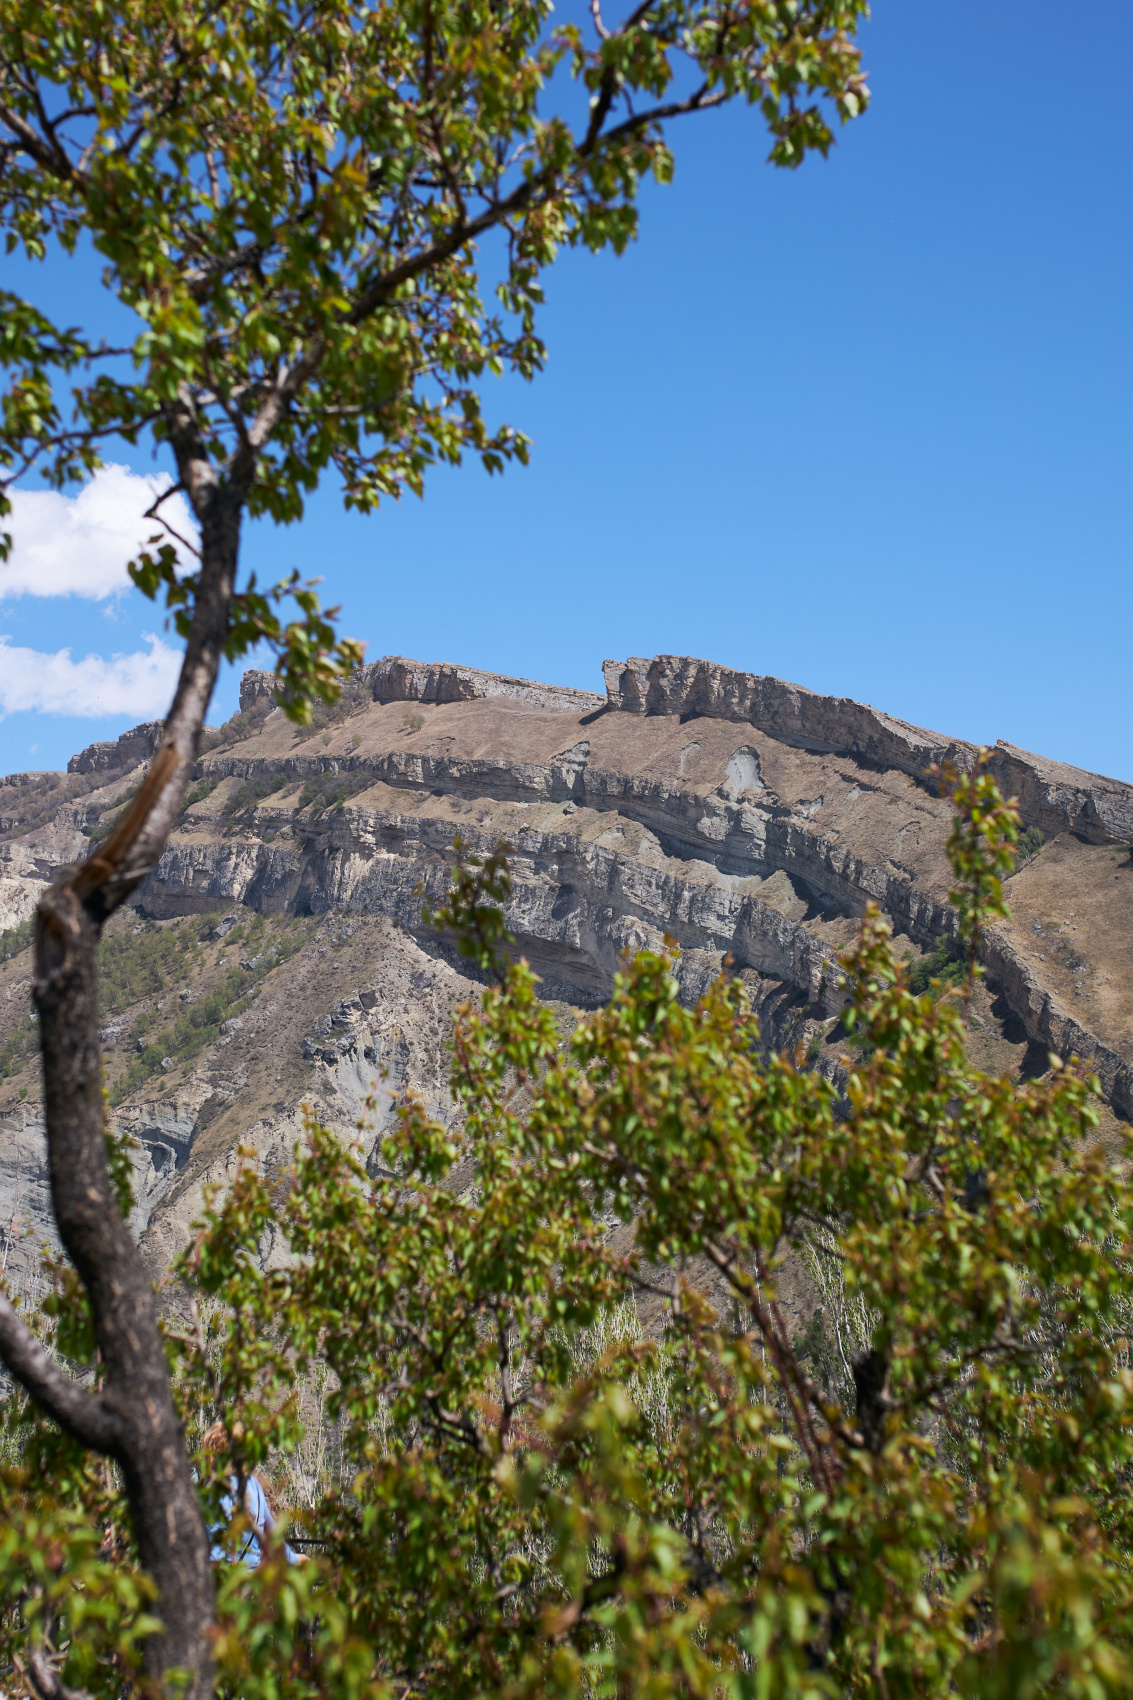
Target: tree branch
(48, 154)
(46, 1681)
(80, 1414)
(467, 231)
(153, 513)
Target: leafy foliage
(981, 849)
(946, 963)
(920, 1492)
(290, 199)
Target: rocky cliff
(745, 818)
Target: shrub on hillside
(919, 1491)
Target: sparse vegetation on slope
(147, 962)
(20, 1047)
(1031, 841)
(142, 960)
(330, 791)
(15, 939)
(249, 792)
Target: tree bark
(132, 1418)
(149, 1444)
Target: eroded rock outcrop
(161, 1134)
(1052, 795)
(121, 755)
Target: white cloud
(139, 685)
(79, 545)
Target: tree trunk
(132, 1417)
(150, 1447)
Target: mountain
(277, 956)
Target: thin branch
(701, 101)
(521, 197)
(69, 441)
(798, 1389)
(152, 513)
(507, 1400)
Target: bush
(251, 792)
(946, 963)
(917, 1488)
(1028, 844)
(330, 791)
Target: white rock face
(18, 898)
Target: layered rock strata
(741, 817)
(1051, 795)
(650, 814)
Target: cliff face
(1052, 796)
(743, 817)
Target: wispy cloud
(139, 685)
(79, 545)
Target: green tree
(289, 198)
(923, 1493)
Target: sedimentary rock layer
(1051, 795)
(740, 817)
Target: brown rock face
(131, 748)
(743, 817)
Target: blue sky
(866, 426)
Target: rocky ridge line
(1051, 795)
(739, 835)
(576, 910)
(395, 679)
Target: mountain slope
(277, 953)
